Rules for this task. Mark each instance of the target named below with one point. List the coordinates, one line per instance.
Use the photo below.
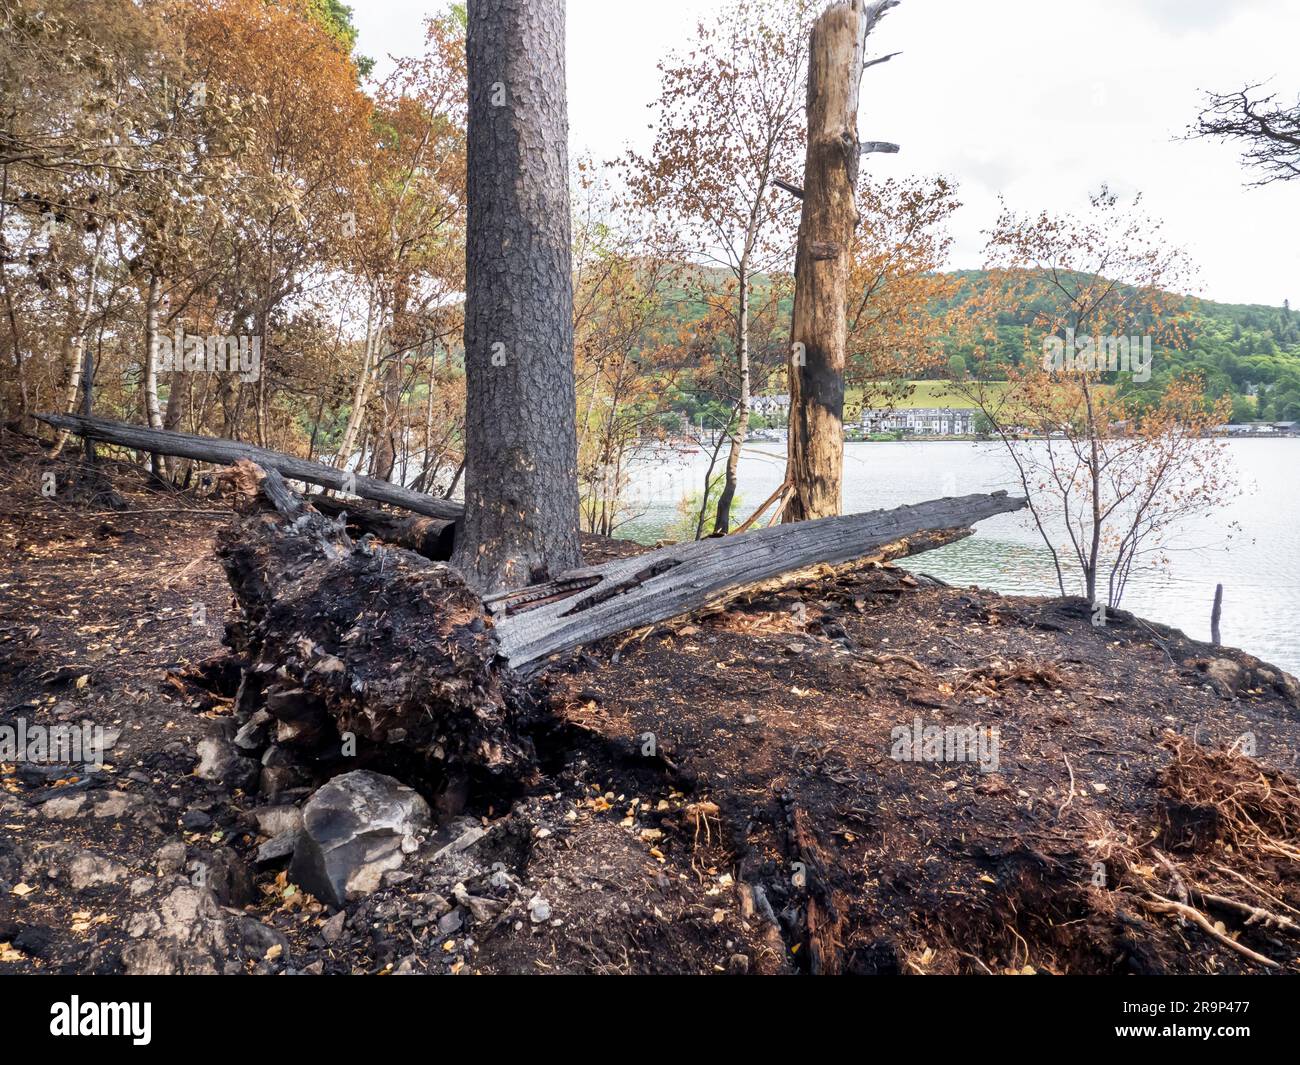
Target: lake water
(1251, 546)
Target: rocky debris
(221, 762)
(331, 930)
(1231, 677)
(64, 807)
(355, 828)
(277, 820)
(252, 734)
(118, 804)
(189, 933)
(224, 873)
(88, 870)
(461, 843)
(170, 858)
(277, 848)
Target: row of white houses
(929, 421)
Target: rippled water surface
(1251, 546)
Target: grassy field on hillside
(925, 394)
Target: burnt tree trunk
(227, 452)
(818, 334)
(431, 537)
(521, 486)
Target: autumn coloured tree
(902, 308)
(1107, 476)
(729, 125)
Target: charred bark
(521, 492)
(355, 653)
(588, 604)
(818, 333)
(228, 452)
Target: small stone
(90, 870)
(539, 910)
(461, 843)
(116, 804)
(64, 807)
(332, 929)
(170, 858)
(195, 821)
(276, 820)
(221, 762)
(277, 848)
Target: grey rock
(274, 780)
(252, 734)
(224, 873)
(481, 909)
(116, 804)
(220, 762)
(195, 821)
(277, 848)
(461, 843)
(253, 939)
(185, 935)
(356, 828)
(332, 930)
(276, 820)
(91, 870)
(170, 858)
(63, 808)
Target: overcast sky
(1040, 101)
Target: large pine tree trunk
(521, 491)
(819, 332)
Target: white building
(770, 405)
(930, 421)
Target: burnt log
(228, 452)
(431, 537)
(589, 604)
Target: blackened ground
(694, 778)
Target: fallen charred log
(431, 537)
(228, 452)
(587, 605)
